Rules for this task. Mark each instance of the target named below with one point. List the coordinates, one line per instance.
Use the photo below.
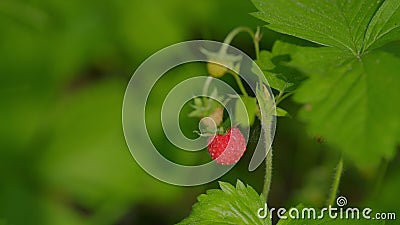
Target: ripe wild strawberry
(227, 149)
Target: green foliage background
(64, 66)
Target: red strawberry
(227, 149)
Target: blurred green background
(64, 67)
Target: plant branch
(236, 31)
(256, 41)
(232, 35)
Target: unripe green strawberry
(227, 149)
(216, 70)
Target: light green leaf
(229, 205)
(245, 108)
(281, 112)
(198, 102)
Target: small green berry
(216, 70)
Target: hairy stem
(268, 174)
(336, 182)
(265, 102)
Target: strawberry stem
(255, 36)
(336, 182)
(268, 174)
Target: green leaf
(198, 102)
(351, 103)
(245, 109)
(348, 25)
(229, 205)
(353, 84)
(384, 26)
(281, 112)
(278, 74)
(266, 66)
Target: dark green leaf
(278, 74)
(348, 25)
(266, 67)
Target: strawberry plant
(344, 74)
